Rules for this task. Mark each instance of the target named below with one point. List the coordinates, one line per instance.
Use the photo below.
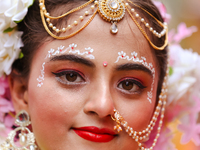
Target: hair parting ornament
(111, 11)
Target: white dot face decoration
(142, 60)
(61, 50)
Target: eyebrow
(73, 58)
(133, 66)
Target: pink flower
(5, 102)
(182, 33)
(3, 85)
(163, 11)
(191, 130)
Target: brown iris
(127, 85)
(71, 77)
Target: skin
(55, 108)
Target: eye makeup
(147, 67)
(72, 48)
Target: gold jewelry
(111, 11)
(26, 137)
(140, 136)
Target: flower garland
(184, 90)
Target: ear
(19, 92)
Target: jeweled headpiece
(110, 10)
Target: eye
(69, 77)
(130, 86)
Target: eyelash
(133, 81)
(62, 77)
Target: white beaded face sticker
(142, 60)
(60, 50)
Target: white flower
(186, 73)
(12, 11)
(9, 50)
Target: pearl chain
(75, 23)
(144, 134)
(159, 35)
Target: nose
(100, 101)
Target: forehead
(97, 36)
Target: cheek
(138, 113)
(53, 110)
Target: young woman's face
(72, 107)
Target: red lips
(95, 134)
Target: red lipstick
(95, 134)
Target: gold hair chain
(111, 11)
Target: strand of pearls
(143, 135)
(159, 35)
(75, 23)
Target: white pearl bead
(126, 4)
(86, 13)
(75, 22)
(151, 29)
(47, 14)
(22, 140)
(92, 7)
(81, 17)
(54, 28)
(69, 26)
(57, 30)
(43, 8)
(154, 31)
(63, 29)
(147, 24)
(96, 2)
(137, 15)
(48, 19)
(50, 25)
(132, 10)
(142, 19)
(41, 4)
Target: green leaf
(18, 21)
(21, 55)
(8, 30)
(171, 71)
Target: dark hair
(34, 34)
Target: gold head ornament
(111, 11)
